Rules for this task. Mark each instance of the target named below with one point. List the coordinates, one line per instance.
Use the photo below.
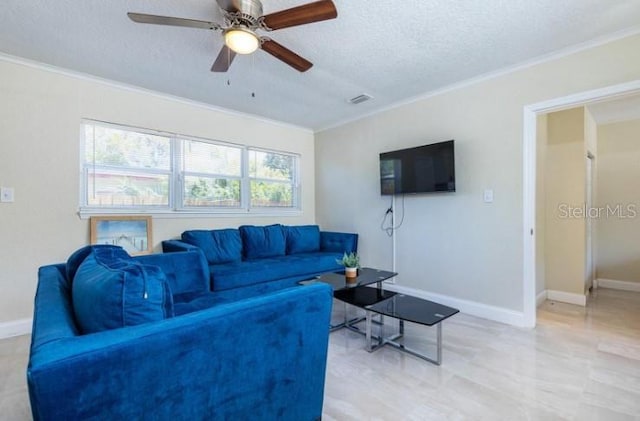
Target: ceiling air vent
(360, 99)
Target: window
(272, 179)
(126, 169)
(212, 175)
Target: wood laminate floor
(578, 364)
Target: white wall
(454, 244)
(565, 187)
(618, 250)
(40, 114)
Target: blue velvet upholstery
(252, 277)
(196, 301)
(262, 358)
(75, 260)
(218, 246)
(170, 246)
(338, 242)
(256, 290)
(303, 239)
(249, 272)
(187, 272)
(265, 241)
(111, 290)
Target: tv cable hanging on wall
(388, 223)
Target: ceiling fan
(242, 20)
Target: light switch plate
(6, 194)
(488, 196)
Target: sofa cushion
(218, 246)
(251, 272)
(261, 242)
(111, 290)
(196, 301)
(303, 239)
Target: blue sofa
(116, 337)
(255, 260)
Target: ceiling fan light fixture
(241, 40)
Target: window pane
(108, 146)
(265, 194)
(273, 166)
(122, 189)
(207, 158)
(199, 191)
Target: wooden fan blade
(168, 20)
(308, 13)
(286, 55)
(224, 60)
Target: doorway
(531, 113)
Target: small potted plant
(351, 263)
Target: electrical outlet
(6, 194)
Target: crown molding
(492, 75)
(137, 89)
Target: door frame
(529, 139)
(589, 221)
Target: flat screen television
(424, 169)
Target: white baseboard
(541, 298)
(567, 297)
(622, 285)
(484, 311)
(15, 328)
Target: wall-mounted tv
(424, 169)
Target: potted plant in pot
(351, 263)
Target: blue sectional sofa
(116, 337)
(254, 260)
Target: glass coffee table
(353, 293)
(407, 308)
(381, 302)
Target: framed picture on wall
(131, 232)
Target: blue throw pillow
(75, 260)
(218, 246)
(303, 239)
(260, 242)
(110, 291)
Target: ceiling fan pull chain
(253, 70)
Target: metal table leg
(382, 341)
(369, 337)
(439, 351)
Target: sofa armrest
(338, 242)
(185, 271)
(259, 358)
(169, 246)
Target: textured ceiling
(614, 111)
(392, 50)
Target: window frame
(294, 182)
(177, 176)
(181, 174)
